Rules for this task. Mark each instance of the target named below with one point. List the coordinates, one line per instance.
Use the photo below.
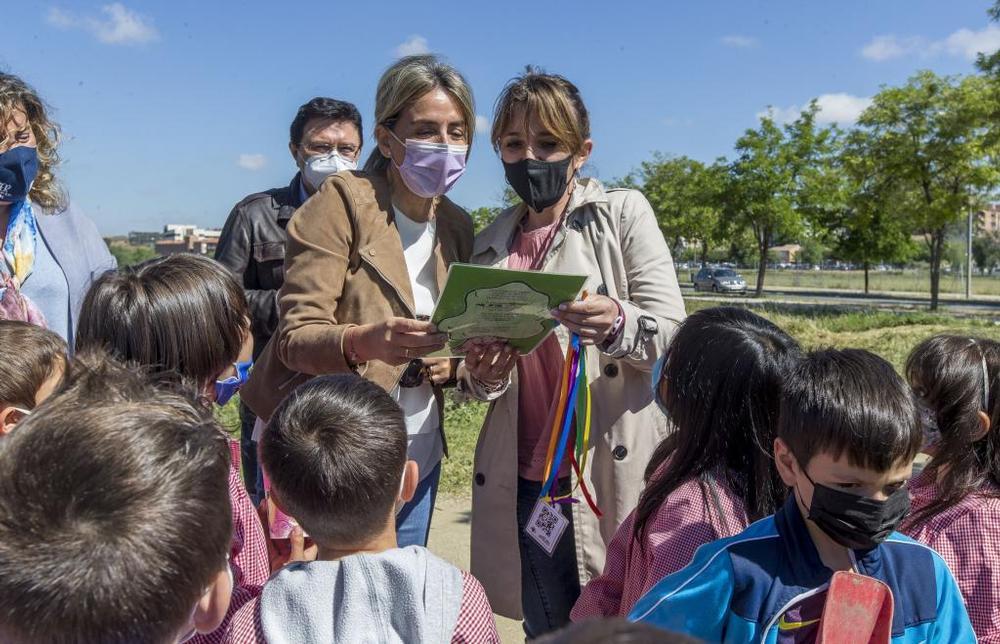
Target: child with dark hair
(335, 454)
(720, 385)
(114, 515)
(956, 499)
(32, 364)
(848, 431)
(185, 318)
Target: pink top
(248, 552)
(539, 372)
(967, 535)
(684, 522)
(475, 623)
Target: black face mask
(855, 521)
(538, 183)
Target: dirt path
(450, 537)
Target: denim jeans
(413, 523)
(248, 455)
(549, 585)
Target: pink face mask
(431, 169)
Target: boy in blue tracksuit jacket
(848, 431)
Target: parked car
(719, 280)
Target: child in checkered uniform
(186, 316)
(720, 385)
(956, 499)
(114, 514)
(335, 454)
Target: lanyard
(574, 405)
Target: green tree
(986, 251)
(866, 227)
(484, 215)
(775, 177)
(686, 197)
(929, 138)
(127, 255)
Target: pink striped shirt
(967, 535)
(685, 521)
(248, 552)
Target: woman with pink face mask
(366, 260)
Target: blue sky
(173, 111)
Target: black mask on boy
(538, 183)
(855, 521)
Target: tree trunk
(761, 267)
(868, 266)
(937, 249)
(704, 252)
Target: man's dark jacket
(252, 245)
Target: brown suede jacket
(344, 266)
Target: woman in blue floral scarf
(49, 253)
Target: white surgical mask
(316, 169)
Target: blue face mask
(226, 389)
(18, 167)
(657, 377)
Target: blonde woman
(565, 224)
(49, 252)
(367, 256)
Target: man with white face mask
(325, 138)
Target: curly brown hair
(16, 95)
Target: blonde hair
(404, 83)
(553, 99)
(16, 95)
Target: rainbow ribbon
(574, 405)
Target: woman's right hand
(490, 363)
(395, 341)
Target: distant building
(988, 221)
(784, 254)
(144, 238)
(184, 238)
(182, 231)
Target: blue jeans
(413, 523)
(549, 585)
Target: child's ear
(214, 604)
(9, 416)
(411, 478)
(985, 424)
(785, 462)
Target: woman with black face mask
(49, 252)
(565, 223)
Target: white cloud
(739, 42)
(413, 46)
(967, 43)
(117, 24)
(483, 126)
(964, 43)
(888, 47)
(252, 161)
(839, 108)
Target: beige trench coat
(612, 237)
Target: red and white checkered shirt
(967, 535)
(684, 522)
(248, 552)
(475, 623)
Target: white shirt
(418, 403)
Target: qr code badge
(546, 526)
